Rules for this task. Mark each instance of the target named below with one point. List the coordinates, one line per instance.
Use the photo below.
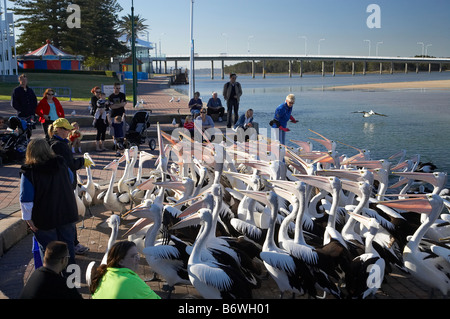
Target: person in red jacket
(49, 109)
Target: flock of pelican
(320, 223)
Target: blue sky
(276, 27)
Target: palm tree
(125, 25)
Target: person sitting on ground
(118, 279)
(245, 120)
(204, 121)
(46, 282)
(189, 124)
(75, 138)
(215, 106)
(195, 104)
(118, 133)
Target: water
(418, 120)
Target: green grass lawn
(81, 84)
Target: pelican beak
(287, 195)
(195, 207)
(188, 201)
(137, 211)
(320, 182)
(141, 223)
(147, 185)
(256, 195)
(111, 164)
(365, 221)
(193, 219)
(172, 185)
(400, 166)
(353, 187)
(418, 205)
(243, 177)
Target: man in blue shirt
(215, 106)
(282, 116)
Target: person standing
(24, 101)
(215, 106)
(49, 110)
(59, 132)
(117, 100)
(47, 199)
(47, 281)
(118, 279)
(282, 116)
(96, 93)
(232, 92)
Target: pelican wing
(441, 251)
(302, 252)
(211, 275)
(162, 252)
(246, 228)
(281, 261)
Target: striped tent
(49, 57)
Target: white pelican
(113, 201)
(285, 269)
(166, 259)
(213, 280)
(427, 267)
(369, 113)
(113, 222)
(89, 188)
(367, 270)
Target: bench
(59, 91)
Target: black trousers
(232, 105)
(220, 110)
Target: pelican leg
(169, 289)
(153, 278)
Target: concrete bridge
(221, 58)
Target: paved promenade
(16, 260)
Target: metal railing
(59, 91)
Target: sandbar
(433, 85)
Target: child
(189, 124)
(75, 137)
(101, 122)
(118, 134)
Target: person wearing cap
(59, 143)
(282, 116)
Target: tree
(47, 19)
(125, 26)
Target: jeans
(232, 105)
(65, 233)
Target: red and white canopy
(48, 50)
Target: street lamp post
(378, 43)
(191, 73)
(133, 52)
(306, 39)
(423, 47)
(319, 45)
(426, 49)
(370, 42)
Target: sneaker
(220, 119)
(80, 249)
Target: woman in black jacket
(47, 199)
(58, 133)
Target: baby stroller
(137, 132)
(13, 144)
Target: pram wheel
(152, 144)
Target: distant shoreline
(432, 84)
